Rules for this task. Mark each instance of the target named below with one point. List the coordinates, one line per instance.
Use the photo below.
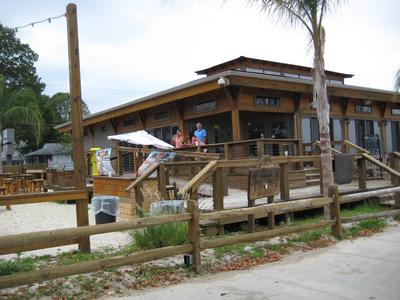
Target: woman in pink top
(178, 139)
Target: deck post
(194, 234)
(362, 173)
(79, 156)
(334, 208)
(218, 194)
(162, 181)
(271, 216)
(139, 199)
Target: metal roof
(51, 149)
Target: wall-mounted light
(222, 81)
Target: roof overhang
(236, 78)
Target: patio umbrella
(141, 137)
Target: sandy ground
(47, 216)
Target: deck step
(312, 182)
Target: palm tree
(397, 82)
(310, 14)
(19, 108)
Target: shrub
(172, 234)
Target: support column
(76, 122)
(382, 129)
(345, 134)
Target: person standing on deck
(200, 133)
(178, 139)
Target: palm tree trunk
(321, 100)
(1, 149)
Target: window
(306, 77)
(267, 101)
(203, 106)
(363, 108)
(271, 72)
(253, 70)
(396, 111)
(291, 75)
(128, 122)
(160, 116)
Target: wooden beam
(29, 198)
(381, 165)
(276, 208)
(369, 194)
(91, 266)
(262, 235)
(52, 237)
(194, 234)
(382, 214)
(113, 124)
(78, 149)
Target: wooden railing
(196, 244)
(22, 242)
(82, 218)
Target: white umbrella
(141, 137)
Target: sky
(133, 48)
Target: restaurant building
(247, 98)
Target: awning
(140, 137)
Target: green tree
(19, 109)
(62, 104)
(17, 63)
(310, 14)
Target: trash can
(105, 208)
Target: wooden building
(248, 98)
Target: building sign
(203, 106)
(363, 108)
(267, 101)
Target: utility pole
(76, 122)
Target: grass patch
(364, 226)
(309, 236)
(8, 267)
(362, 209)
(236, 249)
(172, 234)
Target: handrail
(350, 144)
(178, 152)
(397, 154)
(199, 178)
(381, 165)
(144, 176)
(318, 143)
(272, 141)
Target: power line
(38, 22)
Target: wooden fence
(82, 219)
(23, 241)
(20, 242)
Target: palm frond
(397, 82)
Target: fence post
(260, 149)
(161, 180)
(334, 208)
(218, 194)
(284, 181)
(362, 173)
(82, 219)
(395, 180)
(194, 234)
(271, 216)
(139, 199)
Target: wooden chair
(36, 185)
(3, 191)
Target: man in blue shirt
(200, 133)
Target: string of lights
(38, 22)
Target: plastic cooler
(105, 208)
